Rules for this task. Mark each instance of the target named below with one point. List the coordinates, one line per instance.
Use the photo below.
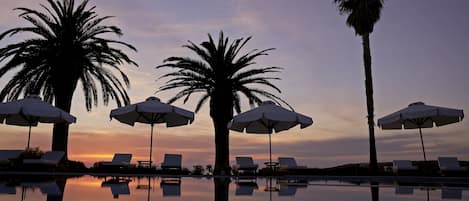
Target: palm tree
(362, 16)
(65, 48)
(221, 75)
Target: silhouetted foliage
(65, 47)
(362, 16)
(221, 75)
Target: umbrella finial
(267, 103)
(34, 96)
(152, 98)
(417, 103)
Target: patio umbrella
(30, 111)
(152, 111)
(418, 115)
(266, 119)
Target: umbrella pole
(29, 136)
(151, 143)
(270, 150)
(423, 147)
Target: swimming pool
(81, 188)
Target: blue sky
(419, 49)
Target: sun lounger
(450, 164)
(399, 166)
(6, 156)
(245, 164)
(172, 161)
(119, 160)
(289, 163)
(50, 158)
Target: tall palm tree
(362, 16)
(65, 48)
(221, 75)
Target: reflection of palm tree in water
(374, 191)
(221, 188)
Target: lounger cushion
(245, 163)
(172, 161)
(49, 158)
(399, 165)
(450, 164)
(289, 163)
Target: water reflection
(221, 188)
(51, 187)
(34, 188)
(374, 188)
(171, 186)
(118, 186)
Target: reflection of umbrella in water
(418, 115)
(266, 118)
(152, 111)
(30, 111)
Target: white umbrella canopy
(152, 111)
(418, 115)
(30, 111)
(268, 118)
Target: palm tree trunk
(221, 112)
(222, 150)
(60, 130)
(369, 103)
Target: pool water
(84, 188)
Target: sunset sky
(420, 52)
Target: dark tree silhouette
(362, 16)
(64, 48)
(221, 75)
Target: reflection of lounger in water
(245, 188)
(5, 189)
(118, 187)
(49, 188)
(289, 189)
(404, 190)
(451, 193)
(171, 186)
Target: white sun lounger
(403, 165)
(289, 163)
(245, 163)
(172, 161)
(119, 160)
(51, 158)
(7, 155)
(450, 164)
